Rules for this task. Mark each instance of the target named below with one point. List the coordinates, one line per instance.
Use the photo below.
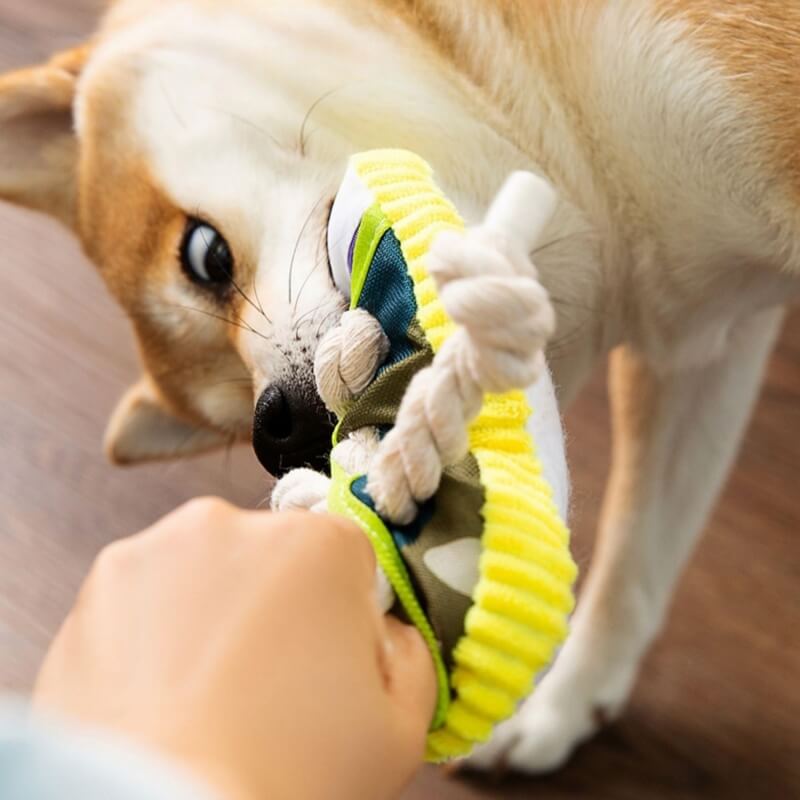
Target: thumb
(411, 676)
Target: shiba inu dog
(194, 147)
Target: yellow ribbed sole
(524, 594)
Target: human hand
(249, 647)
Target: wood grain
(717, 710)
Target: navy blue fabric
(388, 294)
(403, 535)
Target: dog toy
(431, 456)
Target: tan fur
(36, 114)
(756, 44)
(132, 231)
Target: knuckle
(203, 508)
(331, 539)
(112, 558)
(198, 515)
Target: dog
(194, 147)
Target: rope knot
(348, 357)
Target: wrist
(227, 779)
(223, 780)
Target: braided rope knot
(348, 357)
(489, 287)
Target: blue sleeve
(45, 760)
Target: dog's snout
(291, 428)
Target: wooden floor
(717, 711)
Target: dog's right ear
(38, 146)
(143, 428)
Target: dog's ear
(38, 146)
(142, 429)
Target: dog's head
(195, 188)
(196, 152)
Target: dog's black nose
(291, 429)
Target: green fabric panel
(373, 226)
(457, 515)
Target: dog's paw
(575, 699)
(538, 740)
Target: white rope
(490, 289)
(347, 358)
(301, 490)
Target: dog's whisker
(171, 104)
(306, 280)
(258, 300)
(306, 314)
(324, 321)
(323, 257)
(302, 137)
(298, 240)
(559, 348)
(567, 303)
(249, 123)
(151, 314)
(554, 242)
(236, 322)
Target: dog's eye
(205, 254)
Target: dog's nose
(291, 428)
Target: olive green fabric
(384, 288)
(457, 515)
(378, 405)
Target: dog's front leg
(675, 436)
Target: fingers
(329, 548)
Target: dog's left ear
(142, 428)
(38, 145)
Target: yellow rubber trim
(524, 595)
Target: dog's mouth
(315, 456)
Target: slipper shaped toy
(433, 454)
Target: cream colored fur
(677, 239)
